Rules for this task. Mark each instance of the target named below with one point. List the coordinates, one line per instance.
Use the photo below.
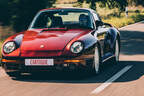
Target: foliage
(19, 13)
(121, 4)
(92, 3)
(136, 2)
(123, 21)
(4, 16)
(137, 17)
(6, 31)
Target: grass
(123, 21)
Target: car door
(102, 32)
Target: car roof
(68, 8)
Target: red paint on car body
(53, 42)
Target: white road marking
(109, 81)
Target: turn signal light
(4, 60)
(68, 61)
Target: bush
(138, 17)
(19, 13)
(5, 32)
(123, 21)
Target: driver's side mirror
(99, 23)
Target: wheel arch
(115, 34)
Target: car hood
(54, 40)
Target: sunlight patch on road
(2, 73)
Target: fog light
(4, 60)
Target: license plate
(39, 62)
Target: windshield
(63, 18)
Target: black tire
(115, 59)
(95, 63)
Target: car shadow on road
(74, 78)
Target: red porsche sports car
(61, 39)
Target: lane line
(109, 81)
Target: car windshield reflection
(63, 19)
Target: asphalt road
(123, 79)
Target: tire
(96, 68)
(116, 52)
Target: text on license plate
(49, 62)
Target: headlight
(77, 47)
(9, 47)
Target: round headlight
(9, 47)
(77, 47)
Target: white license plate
(39, 62)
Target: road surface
(124, 79)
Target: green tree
(21, 12)
(4, 15)
(120, 4)
(91, 2)
(136, 2)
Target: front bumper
(18, 64)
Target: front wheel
(96, 61)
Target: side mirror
(99, 23)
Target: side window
(96, 17)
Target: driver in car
(83, 20)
